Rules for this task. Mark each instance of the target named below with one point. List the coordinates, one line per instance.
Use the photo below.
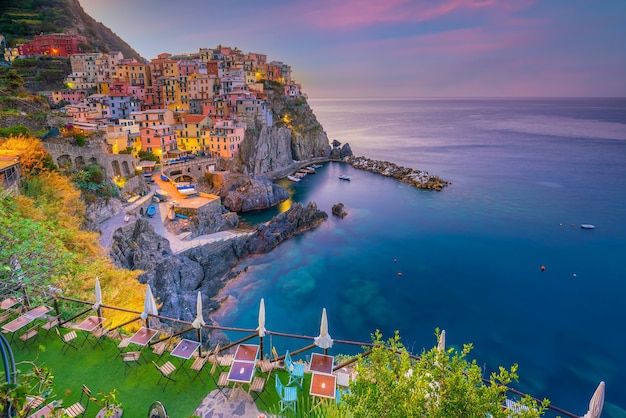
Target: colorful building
(55, 44)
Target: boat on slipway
(151, 211)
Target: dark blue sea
(525, 174)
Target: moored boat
(344, 177)
(151, 211)
(587, 226)
(294, 178)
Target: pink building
(158, 140)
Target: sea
(497, 259)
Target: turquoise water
(522, 172)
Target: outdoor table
(38, 311)
(184, 350)
(322, 387)
(322, 363)
(241, 372)
(46, 411)
(9, 302)
(90, 324)
(143, 336)
(247, 352)
(18, 323)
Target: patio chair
(295, 370)
(212, 357)
(288, 395)
(31, 333)
(80, 408)
(198, 366)
(123, 344)
(267, 365)
(162, 346)
(130, 359)
(222, 381)
(5, 316)
(166, 370)
(52, 322)
(98, 334)
(68, 340)
(257, 387)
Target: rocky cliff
(176, 279)
(295, 136)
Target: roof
(194, 118)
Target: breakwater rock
(242, 193)
(337, 210)
(417, 178)
(176, 278)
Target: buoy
(395, 260)
(399, 273)
(574, 274)
(572, 224)
(543, 268)
(560, 224)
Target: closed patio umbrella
(199, 321)
(597, 403)
(323, 340)
(442, 341)
(261, 327)
(149, 306)
(98, 292)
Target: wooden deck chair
(198, 366)
(257, 387)
(68, 340)
(166, 370)
(221, 381)
(212, 357)
(99, 335)
(80, 408)
(162, 346)
(5, 316)
(52, 322)
(30, 334)
(130, 359)
(123, 344)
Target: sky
(398, 48)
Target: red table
(18, 323)
(322, 386)
(247, 352)
(89, 325)
(46, 411)
(185, 349)
(143, 336)
(322, 363)
(38, 311)
(9, 302)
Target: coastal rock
(242, 193)
(100, 210)
(265, 151)
(176, 279)
(337, 210)
(346, 151)
(416, 178)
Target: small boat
(587, 226)
(344, 177)
(151, 211)
(293, 178)
(181, 216)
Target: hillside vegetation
(21, 20)
(41, 240)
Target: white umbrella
(442, 341)
(98, 292)
(199, 321)
(596, 403)
(324, 340)
(261, 327)
(149, 305)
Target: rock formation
(176, 279)
(242, 193)
(417, 178)
(337, 210)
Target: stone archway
(116, 168)
(79, 162)
(64, 162)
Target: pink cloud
(351, 14)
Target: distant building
(9, 170)
(55, 44)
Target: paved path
(216, 405)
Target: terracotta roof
(193, 118)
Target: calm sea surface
(523, 172)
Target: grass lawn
(102, 370)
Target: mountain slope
(21, 20)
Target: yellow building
(190, 133)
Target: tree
(439, 384)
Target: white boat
(293, 178)
(587, 226)
(344, 177)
